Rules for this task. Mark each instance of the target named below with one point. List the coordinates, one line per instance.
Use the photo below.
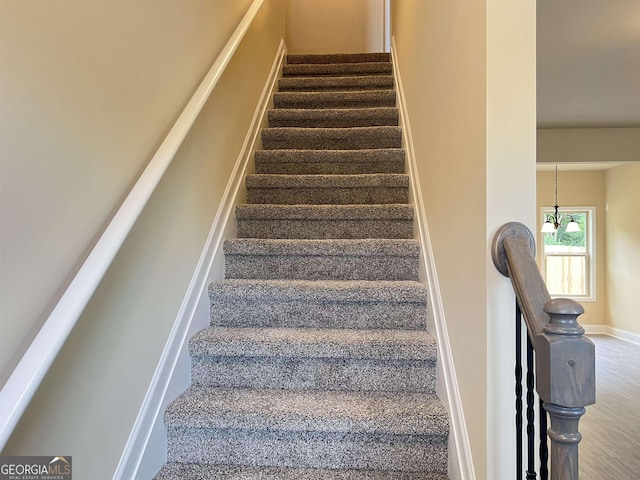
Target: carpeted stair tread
(323, 100)
(327, 181)
(198, 471)
(324, 212)
(339, 58)
(315, 162)
(269, 448)
(328, 189)
(337, 69)
(334, 259)
(327, 291)
(380, 413)
(314, 359)
(331, 138)
(327, 83)
(324, 221)
(310, 359)
(333, 117)
(363, 304)
(333, 247)
(314, 343)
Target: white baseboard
(157, 397)
(460, 459)
(612, 332)
(595, 329)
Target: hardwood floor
(610, 447)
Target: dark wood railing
(560, 361)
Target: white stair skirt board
(460, 460)
(146, 448)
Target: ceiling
(588, 63)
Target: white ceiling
(588, 63)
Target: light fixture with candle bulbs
(553, 222)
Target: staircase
(317, 363)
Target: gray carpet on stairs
(355, 99)
(334, 117)
(317, 364)
(329, 83)
(354, 138)
(338, 162)
(316, 359)
(334, 259)
(338, 69)
(308, 428)
(198, 471)
(327, 189)
(324, 221)
(340, 58)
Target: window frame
(590, 255)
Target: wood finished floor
(610, 447)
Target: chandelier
(553, 222)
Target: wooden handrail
(564, 357)
(19, 389)
(513, 254)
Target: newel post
(565, 365)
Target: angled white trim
(454, 402)
(155, 399)
(34, 364)
(612, 332)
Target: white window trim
(591, 250)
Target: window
(568, 263)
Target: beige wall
(580, 145)
(623, 246)
(88, 90)
(444, 83)
(334, 26)
(110, 78)
(580, 189)
(510, 172)
(471, 103)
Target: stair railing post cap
(509, 230)
(563, 314)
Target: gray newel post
(565, 358)
(565, 367)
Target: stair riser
(338, 58)
(237, 312)
(331, 139)
(329, 100)
(336, 84)
(328, 196)
(314, 374)
(305, 119)
(329, 168)
(324, 229)
(303, 162)
(335, 100)
(307, 449)
(372, 68)
(181, 471)
(321, 267)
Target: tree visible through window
(568, 256)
